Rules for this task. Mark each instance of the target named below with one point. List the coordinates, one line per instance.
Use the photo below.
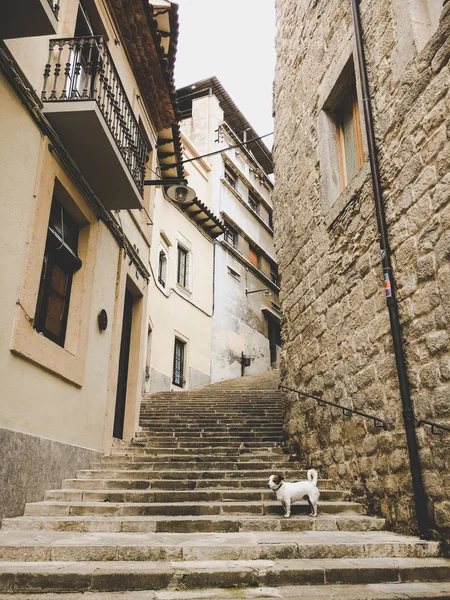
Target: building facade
(336, 331)
(88, 112)
(181, 301)
(246, 313)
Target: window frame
(253, 201)
(252, 250)
(178, 378)
(60, 253)
(230, 232)
(230, 176)
(182, 252)
(163, 268)
(339, 111)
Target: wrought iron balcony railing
(82, 69)
(54, 5)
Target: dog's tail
(312, 476)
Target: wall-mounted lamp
(178, 190)
(265, 291)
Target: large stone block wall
(30, 465)
(336, 328)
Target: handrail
(347, 412)
(434, 427)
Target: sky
(233, 40)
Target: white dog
(288, 493)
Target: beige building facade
(245, 311)
(337, 333)
(87, 106)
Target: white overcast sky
(233, 40)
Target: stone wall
(30, 465)
(336, 329)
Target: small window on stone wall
(349, 138)
(340, 139)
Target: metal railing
(54, 5)
(81, 69)
(347, 412)
(436, 429)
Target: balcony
(26, 18)
(86, 103)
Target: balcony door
(124, 360)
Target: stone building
(246, 312)
(336, 332)
(87, 113)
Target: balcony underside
(86, 136)
(26, 18)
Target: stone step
(155, 442)
(181, 430)
(231, 524)
(267, 457)
(163, 496)
(194, 441)
(268, 466)
(206, 465)
(218, 436)
(215, 421)
(218, 451)
(373, 591)
(175, 484)
(19, 577)
(56, 508)
(291, 473)
(311, 545)
(208, 410)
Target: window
(230, 236)
(349, 138)
(234, 273)
(178, 363)
(162, 268)
(253, 201)
(182, 266)
(270, 219)
(274, 274)
(60, 263)
(231, 177)
(253, 257)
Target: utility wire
(171, 166)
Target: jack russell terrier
(288, 493)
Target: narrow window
(253, 201)
(274, 274)
(162, 268)
(60, 263)
(178, 363)
(231, 177)
(253, 257)
(349, 138)
(182, 266)
(230, 236)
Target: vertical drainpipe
(389, 284)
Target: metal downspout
(389, 284)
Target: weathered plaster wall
(239, 323)
(336, 327)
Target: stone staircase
(183, 513)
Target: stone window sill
(347, 195)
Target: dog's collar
(276, 489)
